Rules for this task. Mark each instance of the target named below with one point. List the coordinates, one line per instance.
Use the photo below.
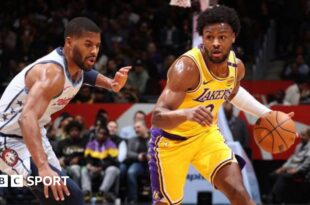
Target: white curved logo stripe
(127, 117)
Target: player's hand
(291, 114)
(58, 189)
(120, 78)
(200, 114)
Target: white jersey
(15, 95)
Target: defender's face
(85, 49)
(217, 40)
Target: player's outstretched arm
(44, 82)
(116, 84)
(182, 77)
(244, 100)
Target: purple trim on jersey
(155, 169)
(232, 64)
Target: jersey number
(210, 107)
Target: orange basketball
(274, 132)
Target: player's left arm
(242, 99)
(94, 78)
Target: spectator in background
(296, 68)
(154, 59)
(141, 36)
(170, 38)
(84, 95)
(81, 120)
(61, 129)
(122, 154)
(102, 95)
(51, 134)
(127, 95)
(120, 143)
(129, 131)
(277, 98)
(137, 159)
(101, 157)
(138, 76)
(70, 151)
(101, 120)
(111, 68)
(297, 166)
(237, 127)
(299, 92)
(115, 35)
(101, 63)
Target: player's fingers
(207, 119)
(122, 75)
(125, 70)
(115, 84)
(55, 194)
(200, 117)
(199, 121)
(205, 112)
(291, 114)
(46, 191)
(65, 188)
(119, 76)
(60, 192)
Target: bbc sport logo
(18, 181)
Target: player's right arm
(183, 76)
(44, 83)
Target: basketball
(274, 132)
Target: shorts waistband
(170, 136)
(10, 135)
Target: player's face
(217, 40)
(85, 50)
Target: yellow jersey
(211, 92)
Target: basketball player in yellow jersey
(184, 119)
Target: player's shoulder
(184, 65)
(48, 72)
(240, 69)
(51, 69)
(183, 74)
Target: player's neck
(73, 69)
(218, 69)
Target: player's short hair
(78, 25)
(219, 14)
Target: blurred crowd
(149, 35)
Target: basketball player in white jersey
(39, 90)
